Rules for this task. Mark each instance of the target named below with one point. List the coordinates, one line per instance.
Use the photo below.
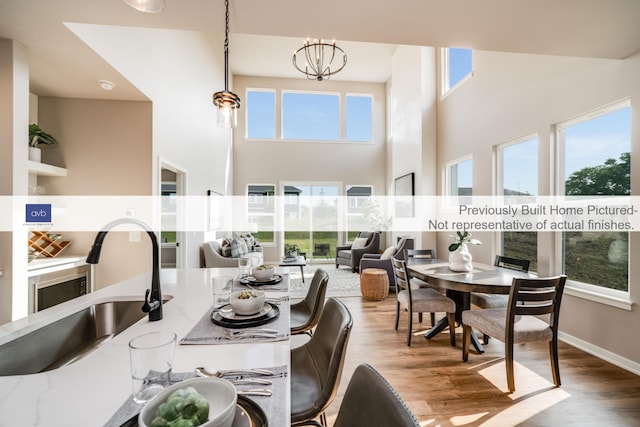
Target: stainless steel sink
(69, 339)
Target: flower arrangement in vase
(459, 256)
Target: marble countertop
(90, 390)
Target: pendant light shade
(149, 6)
(227, 102)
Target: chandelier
(319, 57)
(227, 102)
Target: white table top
(89, 391)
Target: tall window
(359, 205)
(261, 210)
(261, 114)
(518, 176)
(595, 151)
(359, 118)
(459, 180)
(456, 66)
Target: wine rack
(46, 244)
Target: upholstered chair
(383, 261)
(365, 243)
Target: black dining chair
(371, 401)
(304, 315)
(520, 321)
(316, 366)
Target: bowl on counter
(246, 303)
(263, 274)
(220, 394)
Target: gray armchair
(345, 255)
(374, 261)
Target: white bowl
(263, 275)
(220, 393)
(247, 306)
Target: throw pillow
(388, 253)
(359, 242)
(235, 248)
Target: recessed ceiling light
(106, 84)
(149, 6)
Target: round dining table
(484, 278)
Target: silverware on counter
(203, 372)
(249, 334)
(256, 392)
(244, 381)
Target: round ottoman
(374, 284)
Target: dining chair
(304, 315)
(418, 254)
(371, 401)
(519, 322)
(316, 366)
(483, 300)
(421, 300)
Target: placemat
(283, 285)
(274, 406)
(207, 332)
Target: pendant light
(227, 102)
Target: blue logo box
(40, 212)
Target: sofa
(215, 258)
(367, 242)
(383, 260)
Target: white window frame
(256, 197)
(449, 198)
(275, 114)
(499, 177)
(612, 297)
(445, 87)
(341, 115)
(345, 116)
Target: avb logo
(38, 213)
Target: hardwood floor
(441, 390)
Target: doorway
(172, 235)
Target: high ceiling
(264, 33)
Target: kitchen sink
(69, 339)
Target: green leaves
(37, 136)
(462, 238)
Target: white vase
(460, 259)
(35, 154)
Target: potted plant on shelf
(459, 256)
(38, 137)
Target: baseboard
(622, 362)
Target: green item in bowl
(185, 407)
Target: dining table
(458, 285)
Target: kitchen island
(89, 391)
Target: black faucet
(153, 297)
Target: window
(261, 210)
(459, 180)
(261, 114)
(311, 116)
(518, 176)
(359, 118)
(456, 66)
(359, 205)
(595, 160)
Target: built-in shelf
(43, 169)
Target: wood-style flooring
(441, 390)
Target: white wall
(271, 162)
(14, 114)
(513, 95)
(184, 119)
(413, 113)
